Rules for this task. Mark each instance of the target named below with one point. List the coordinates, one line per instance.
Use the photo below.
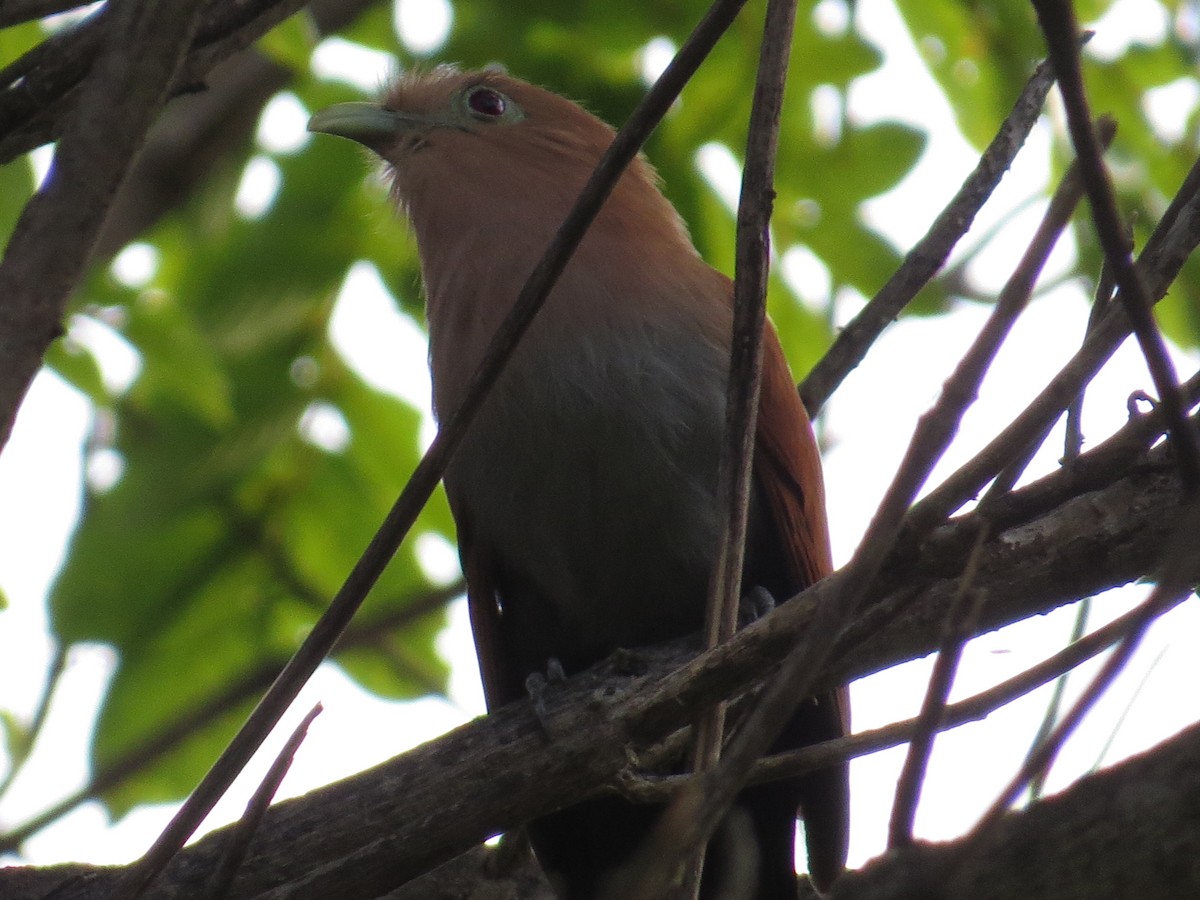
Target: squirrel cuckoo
(584, 491)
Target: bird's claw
(537, 685)
(755, 604)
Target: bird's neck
(619, 291)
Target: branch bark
(1128, 831)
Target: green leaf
(16, 187)
(980, 53)
(290, 42)
(17, 738)
(79, 368)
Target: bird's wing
(483, 605)
(787, 469)
(787, 466)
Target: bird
(584, 490)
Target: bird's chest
(590, 476)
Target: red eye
(487, 102)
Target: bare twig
(1057, 19)
(1072, 447)
(1054, 706)
(931, 252)
(237, 841)
(959, 628)
(737, 454)
(18, 757)
(1106, 128)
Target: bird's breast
(590, 475)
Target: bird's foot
(755, 604)
(537, 685)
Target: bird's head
(483, 152)
(456, 113)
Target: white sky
(869, 423)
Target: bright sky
(868, 425)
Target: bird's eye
(487, 103)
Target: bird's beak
(367, 123)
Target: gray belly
(598, 501)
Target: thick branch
(1128, 831)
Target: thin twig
(1106, 128)
(19, 756)
(429, 470)
(752, 264)
(1073, 439)
(930, 253)
(1072, 448)
(1050, 718)
(959, 627)
(1057, 19)
(237, 842)
(1102, 753)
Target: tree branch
(53, 238)
(1057, 19)
(1173, 240)
(929, 254)
(1127, 831)
(358, 836)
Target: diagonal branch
(930, 253)
(1175, 237)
